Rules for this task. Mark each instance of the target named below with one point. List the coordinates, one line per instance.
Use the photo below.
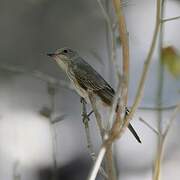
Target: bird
(85, 78)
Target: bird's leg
(89, 114)
(82, 100)
(126, 111)
(84, 111)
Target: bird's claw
(82, 100)
(85, 117)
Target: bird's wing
(89, 79)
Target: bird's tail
(130, 127)
(134, 133)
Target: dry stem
(88, 136)
(92, 99)
(118, 128)
(162, 138)
(125, 43)
(140, 89)
(157, 165)
(149, 126)
(97, 164)
(109, 24)
(37, 74)
(177, 110)
(109, 158)
(170, 19)
(165, 108)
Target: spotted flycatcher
(85, 78)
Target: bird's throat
(62, 65)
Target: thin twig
(177, 110)
(165, 108)
(170, 19)
(159, 154)
(157, 168)
(92, 99)
(112, 34)
(149, 126)
(140, 89)
(37, 74)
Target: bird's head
(63, 56)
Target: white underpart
(83, 93)
(62, 65)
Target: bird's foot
(85, 117)
(83, 101)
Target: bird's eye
(65, 51)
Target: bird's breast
(81, 91)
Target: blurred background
(41, 131)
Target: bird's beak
(51, 54)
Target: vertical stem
(109, 157)
(160, 70)
(125, 43)
(110, 164)
(140, 89)
(157, 167)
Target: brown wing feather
(88, 78)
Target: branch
(37, 74)
(176, 111)
(165, 108)
(160, 145)
(170, 19)
(96, 113)
(88, 136)
(114, 105)
(125, 43)
(149, 126)
(148, 60)
(162, 138)
(109, 158)
(118, 127)
(95, 169)
(112, 35)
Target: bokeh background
(30, 144)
